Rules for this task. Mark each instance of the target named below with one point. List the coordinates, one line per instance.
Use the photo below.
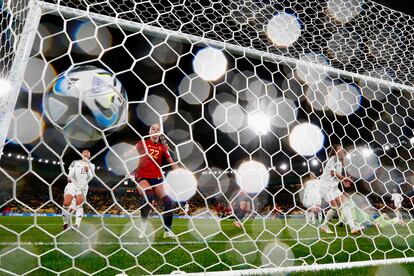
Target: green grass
(112, 245)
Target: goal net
(251, 98)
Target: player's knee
(67, 202)
(167, 203)
(150, 195)
(79, 201)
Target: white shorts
(329, 194)
(397, 206)
(73, 189)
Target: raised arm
(169, 159)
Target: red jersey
(147, 168)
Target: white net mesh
(250, 96)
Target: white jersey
(397, 198)
(78, 174)
(327, 180)
(311, 196)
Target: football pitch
(112, 245)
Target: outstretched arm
(172, 163)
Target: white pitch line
(160, 243)
(128, 222)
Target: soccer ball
(84, 101)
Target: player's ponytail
(163, 140)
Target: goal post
(20, 20)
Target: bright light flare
(122, 158)
(180, 185)
(344, 10)
(306, 139)
(193, 89)
(284, 29)
(314, 162)
(259, 122)
(252, 176)
(344, 99)
(210, 64)
(362, 163)
(308, 72)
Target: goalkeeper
(364, 219)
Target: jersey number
(154, 153)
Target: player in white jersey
(331, 176)
(312, 201)
(186, 209)
(80, 173)
(397, 199)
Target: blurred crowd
(279, 202)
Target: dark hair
(334, 148)
(163, 140)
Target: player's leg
(397, 212)
(148, 195)
(168, 213)
(313, 215)
(399, 215)
(67, 200)
(240, 213)
(319, 211)
(329, 197)
(72, 207)
(307, 216)
(347, 211)
(80, 199)
(329, 215)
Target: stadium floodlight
(284, 167)
(314, 162)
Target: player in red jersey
(150, 177)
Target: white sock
(346, 209)
(79, 215)
(307, 217)
(320, 217)
(313, 217)
(66, 215)
(329, 215)
(143, 226)
(398, 214)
